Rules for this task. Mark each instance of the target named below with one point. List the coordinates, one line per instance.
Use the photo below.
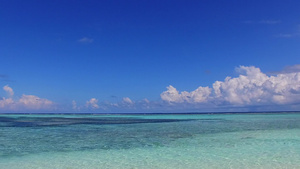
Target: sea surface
(150, 141)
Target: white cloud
(288, 69)
(9, 90)
(197, 96)
(26, 102)
(146, 101)
(127, 103)
(34, 102)
(74, 105)
(92, 103)
(7, 103)
(127, 100)
(86, 40)
(251, 87)
(145, 104)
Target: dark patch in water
(57, 121)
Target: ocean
(150, 141)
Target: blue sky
(122, 56)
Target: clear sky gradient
(141, 55)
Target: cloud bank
(251, 87)
(124, 105)
(25, 102)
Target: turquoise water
(150, 141)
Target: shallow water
(150, 141)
